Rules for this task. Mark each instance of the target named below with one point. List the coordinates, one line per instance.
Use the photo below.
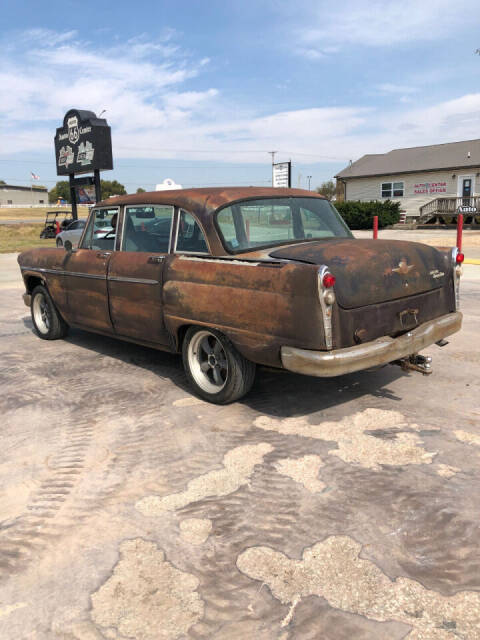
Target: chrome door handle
(155, 259)
(104, 255)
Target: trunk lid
(373, 271)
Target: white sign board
(282, 174)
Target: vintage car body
(183, 262)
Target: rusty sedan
(232, 278)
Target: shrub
(359, 215)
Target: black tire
(48, 323)
(68, 245)
(59, 243)
(226, 381)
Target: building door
(466, 192)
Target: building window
(9, 201)
(41, 201)
(390, 189)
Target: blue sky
(200, 91)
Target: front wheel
(48, 323)
(215, 369)
(59, 243)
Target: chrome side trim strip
(134, 280)
(58, 272)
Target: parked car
(70, 236)
(235, 277)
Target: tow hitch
(416, 362)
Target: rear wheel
(215, 369)
(48, 323)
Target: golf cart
(50, 228)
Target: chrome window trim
(205, 237)
(128, 206)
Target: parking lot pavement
(342, 508)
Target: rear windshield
(274, 221)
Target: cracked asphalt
(341, 508)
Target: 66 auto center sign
(83, 144)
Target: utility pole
(272, 153)
(309, 178)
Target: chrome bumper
(326, 364)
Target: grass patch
(20, 237)
(27, 213)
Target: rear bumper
(327, 364)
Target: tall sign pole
(83, 145)
(272, 153)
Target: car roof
(205, 201)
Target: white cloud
(380, 23)
(155, 114)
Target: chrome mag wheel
(208, 362)
(41, 313)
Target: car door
(85, 271)
(135, 273)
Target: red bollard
(375, 227)
(459, 231)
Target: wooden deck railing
(448, 206)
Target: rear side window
(190, 238)
(147, 228)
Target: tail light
(326, 281)
(329, 280)
(457, 260)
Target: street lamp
(309, 178)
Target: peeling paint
(147, 598)
(303, 470)
(465, 436)
(10, 608)
(238, 465)
(333, 570)
(446, 471)
(402, 447)
(195, 530)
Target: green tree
(2, 182)
(140, 190)
(60, 190)
(111, 188)
(327, 189)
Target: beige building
(425, 180)
(26, 196)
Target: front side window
(190, 238)
(273, 221)
(101, 230)
(392, 189)
(147, 228)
